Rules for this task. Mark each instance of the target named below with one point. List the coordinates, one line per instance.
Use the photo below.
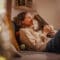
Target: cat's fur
(5, 39)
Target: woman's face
(28, 21)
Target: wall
(14, 11)
(48, 9)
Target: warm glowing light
(2, 58)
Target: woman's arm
(28, 39)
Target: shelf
(23, 4)
(23, 8)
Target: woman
(32, 39)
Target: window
(23, 3)
(2, 6)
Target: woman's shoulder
(24, 30)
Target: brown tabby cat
(6, 36)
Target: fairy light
(2, 58)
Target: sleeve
(43, 38)
(27, 38)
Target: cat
(5, 39)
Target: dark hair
(21, 16)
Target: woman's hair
(20, 17)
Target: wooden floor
(38, 56)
